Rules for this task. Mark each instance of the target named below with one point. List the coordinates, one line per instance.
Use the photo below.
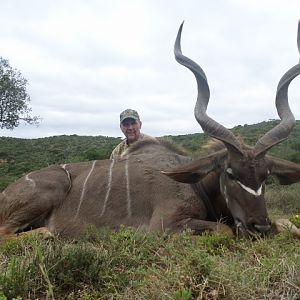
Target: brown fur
(213, 145)
(131, 191)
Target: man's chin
(131, 139)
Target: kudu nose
(262, 228)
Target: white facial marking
(108, 186)
(83, 188)
(249, 190)
(229, 170)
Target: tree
(13, 98)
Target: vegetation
(296, 220)
(130, 265)
(289, 149)
(20, 156)
(13, 98)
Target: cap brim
(129, 117)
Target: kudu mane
(165, 142)
(214, 145)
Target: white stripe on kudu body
(83, 188)
(109, 181)
(109, 185)
(27, 178)
(69, 176)
(128, 190)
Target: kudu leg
(175, 218)
(42, 231)
(200, 226)
(29, 202)
(197, 226)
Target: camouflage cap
(129, 114)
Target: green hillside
(19, 156)
(289, 149)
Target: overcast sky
(86, 61)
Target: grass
(296, 220)
(130, 265)
(283, 199)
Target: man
(130, 125)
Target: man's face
(131, 129)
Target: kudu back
(154, 188)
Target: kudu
(226, 185)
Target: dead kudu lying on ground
(227, 184)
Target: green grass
(130, 265)
(283, 200)
(295, 219)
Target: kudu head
(243, 170)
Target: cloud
(86, 61)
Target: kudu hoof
(282, 225)
(42, 232)
(225, 229)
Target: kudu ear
(198, 168)
(285, 171)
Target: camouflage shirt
(123, 146)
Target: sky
(86, 61)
